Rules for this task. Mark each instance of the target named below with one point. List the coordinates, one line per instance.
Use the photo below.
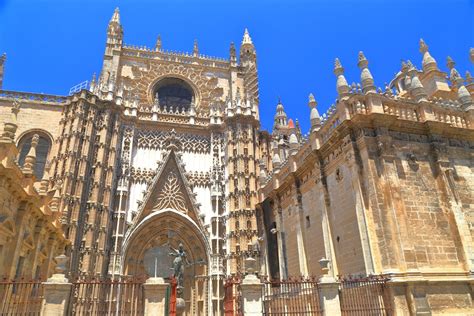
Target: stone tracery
(171, 195)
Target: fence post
(329, 291)
(57, 291)
(251, 288)
(155, 296)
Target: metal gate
(364, 296)
(95, 296)
(21, 296)
(297, 296)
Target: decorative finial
(450, 62)
(454, 75)
(312, 101)
(30, 159)
(3, 58)
(423, 46)
(338, 69)
(471, 55)
(195, 48)
(365, 76)
(116, 16)
(363, 62)
(388, 90)
(232, 52)
(276, 161)
(247, 39)
(341, 83)
(158, 43)
(428, 62)
(9, 128)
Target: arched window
(42, 150)
(173, 94)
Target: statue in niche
(178, 264)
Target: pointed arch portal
(167, 217)
(147, 247)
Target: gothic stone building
(165, 148)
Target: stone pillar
(328, 291)
(251, 288)
(155, 296)
(57, 291)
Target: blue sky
(53, 45)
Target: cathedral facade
(165, 148)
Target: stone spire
(314, 114)
(293, 141)
(454, 75)
(247, 50)
(158, 43)
(281, 119)
(416, 87)
(114, 29)
(263, 174)
(276, 161)
(464, 96)
(30, 159)
(93, 84)
(44, 185)
(471, 55)
(341, 83)
(195, 48)
(116, 16)
(366, 77)
(3, 58)
(10, 126)
(428, 62)
(247, 39)
(232, 53)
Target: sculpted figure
(178, 263)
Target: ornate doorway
(147, 251)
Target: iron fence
(21, 296)
(364, 296)
(95, 296)
(233, 296)
(295, 296)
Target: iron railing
(295, 296)
(364, 296)
(21, 296)
(233, 296)
(95, 296)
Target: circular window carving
(173, 94)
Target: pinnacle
(363, 62)
(247, 39)
(116, 16)
(450, 62)
(338, 69)
(312, 101)
(423, 46)
(196, 47)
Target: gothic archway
(146, 250)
